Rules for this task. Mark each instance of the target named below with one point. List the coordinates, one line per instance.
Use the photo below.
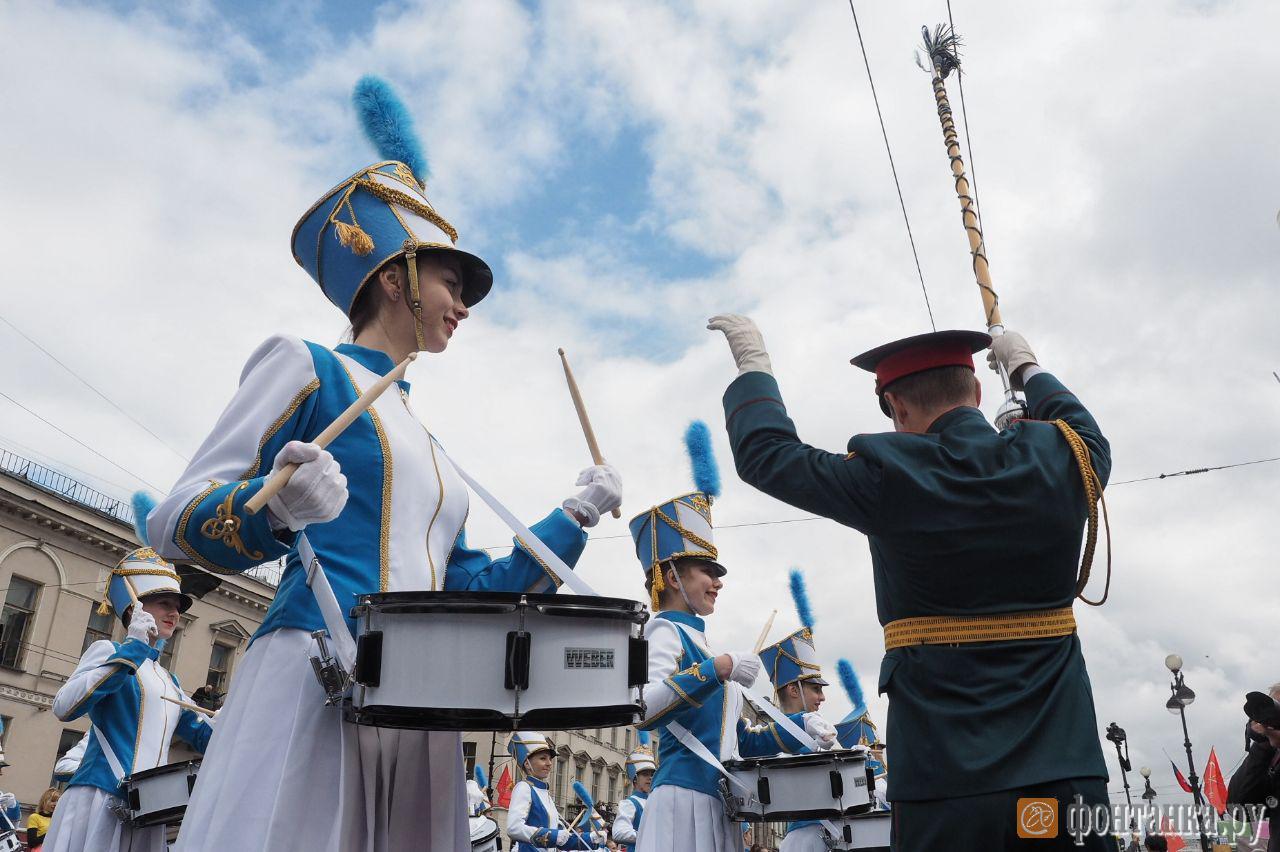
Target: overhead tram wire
(888, 150)
(101, 395)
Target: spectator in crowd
(1155, 843)
(1257, 781)
(208, 697)
(38, 822)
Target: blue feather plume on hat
(702, 458)
(143, 503)
(388, 124)
(480, 779)
(644, 738)
(801, 597)
(849, 679)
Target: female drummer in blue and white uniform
(383, 507)
(533, 821)
(692, 685)
(640, 769)
(123, 687)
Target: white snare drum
(497, 661)
(159, 796)
(867, 832)
(9, 842)
(484, 834)
(793, 787)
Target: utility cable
(892, 167)
(100, 394)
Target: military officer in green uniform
(975, 539)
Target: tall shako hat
(795, 657)
(681, 527)
(381, 213)
(525, 744)
(642, 757)
(143, 568)
(857, 727)
(919, 353)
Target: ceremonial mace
(581, 408)
(280, 478)
(942, 48)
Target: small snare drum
(497, 661)
(484, 834)
(867, 832)
(794, 787)
(9, 841)
(159, 796)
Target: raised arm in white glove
(746, 668)
(142, 626)
(603, 493)
(1011, 351)
(599, 838)
(315, 493)
(821, 730)
(745, 342)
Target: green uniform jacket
(962, 520)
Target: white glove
(142, 626)
(821, 730)
(316, 492)
(746, 668)
(602, 494)
(599, 837)
(745, 342)
(7, 801)
(208, 720)
(1013, 352)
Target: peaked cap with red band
(919, 353)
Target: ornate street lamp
(1180, 696)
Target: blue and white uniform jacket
(683, 687)
(121, 686)
(402, 527)
(535, 824)
(626, 825)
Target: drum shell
(159, 796)
(453, 661)
(484, 834)
(10, 842)
(869, 832)
(824, 785)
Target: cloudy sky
(630, 168)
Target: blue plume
(583, 795)
(706, 473)
(849, 679)
(801, 596)
(388, 124)
(643, 737)
(480, 779)
(143, 503)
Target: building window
(595, 785)
(98, 628)
(170, 649)
(220, 666)
(469, 758)
(562, 769)
(66, 742)
(5, 722)
(16, 619)
(626, 740)
(613, 737)
(613, 787)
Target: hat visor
(477, 277)
(184, 600)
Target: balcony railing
(61, 485)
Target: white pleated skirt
(283, 771)
(806, 838)
(677, 819)
(84, 821)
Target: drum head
(483, 830)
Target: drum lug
(134, 802)
(333, 678)
(368, 668)
(837, 785)
(519, 644)
(638, 661)
(762, 791)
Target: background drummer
(532, 819)
(641, 765)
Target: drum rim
(157, 771)
(817, 758)
(374, 599)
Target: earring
(395, 295)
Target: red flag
(1182, 780)
(505, 786)
(1174, 839)
(1215, 788)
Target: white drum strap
(554, 563)
(109, 753)
(695, 745)
(344, 647)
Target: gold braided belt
(960, 629)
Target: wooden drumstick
(187, 705)
(281, 477)
(581, 407)
(768, 625)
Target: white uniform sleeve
(70, 762)
(278, 378)
(671, 693)
(102, 670)
(517, 815)
(624, 830)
